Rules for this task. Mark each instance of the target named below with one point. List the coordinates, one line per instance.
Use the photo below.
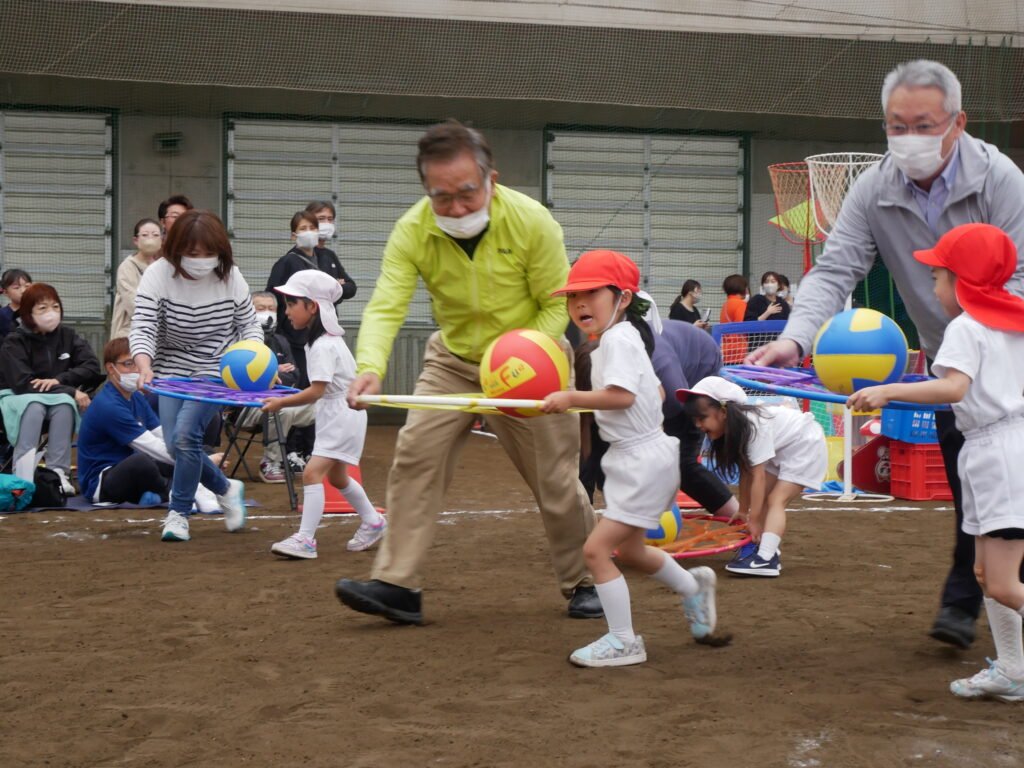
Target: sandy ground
(119, 650)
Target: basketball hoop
(831, 176)
(791, 185)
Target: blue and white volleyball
(859, 348)
(668, 528)
(249, 365)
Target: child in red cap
(642, 463)
(980, 366)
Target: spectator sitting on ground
(53, 369)
(13, 283)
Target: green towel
(13, 407)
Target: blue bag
(15, 493)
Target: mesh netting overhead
(452, 58)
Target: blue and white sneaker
(609, 651)
(232, 504)
(755, 565)
(992, 682)
(175, 527)
(745, 551)
(700, 609)
(296, 547)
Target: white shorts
(806, 461)
(641, 479)
(340, 430)
(991, 477)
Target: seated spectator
(785, 290)
(53, 369)
(684, 307)
(767, 305)
(122, 456)
(734, 345)
(271, 465)
(147, 240)
(13, 283)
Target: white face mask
(149, 246)
(326, 230)
(919, 156)
(307, 239)
(129, 382)
(783, 293)
(47, 321)
(198, 268)
(770, 289)
(470, 225)
(268, 320)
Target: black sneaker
(954, 626)
(585, 604)
(397, 604)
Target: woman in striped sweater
(191, 305)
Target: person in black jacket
(767, 305)
(305, 254)
(43, 356)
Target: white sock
(1006, 633)
(312, 509)
(676, 578)
(769, 545)
(614, 596)
(356, 496)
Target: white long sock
(1006, 633)
(356, 496)
(676, 578)
(312, 509)
(769, 545)
(614, 596)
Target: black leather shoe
(954, 626)
(397, 604)
(585, 604)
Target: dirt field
(120, 650)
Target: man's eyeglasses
(921, 129)
(129, 364)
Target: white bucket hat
(320, 287)
(716, 388)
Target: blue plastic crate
(909, 426)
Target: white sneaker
(232, 503)
(609, 651)
(367, 535)
(175, 527)
(206, 501)
(700, 609)
(296, 546)
(65, 483)
(990, 682)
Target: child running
(778, 451)
(641, 466)
(340, 430)
(980, 369)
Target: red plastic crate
(918, 473)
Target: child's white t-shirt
(777, 427)
(622, 361)
(329, 359)
(994, 361)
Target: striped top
(185, 325)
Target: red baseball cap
(596, 269)
(983, 258)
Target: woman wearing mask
(52, 368)
(684, 307)
(307, 234)
(148, 241)
(785, 290)
(192, 305)
(767, 305)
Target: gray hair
(922, 73)
(263, 295)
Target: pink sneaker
(367, 535)
(296, 547)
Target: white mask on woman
(770, 289)
(47, 321)
(198, 268)
(307, 239)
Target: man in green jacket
(490, 258)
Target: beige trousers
(545, 450)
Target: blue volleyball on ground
(249, 366)
(668, 529)
(859, 348)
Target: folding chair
(243, 427)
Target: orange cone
(334, 502)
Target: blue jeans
(183, 423)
